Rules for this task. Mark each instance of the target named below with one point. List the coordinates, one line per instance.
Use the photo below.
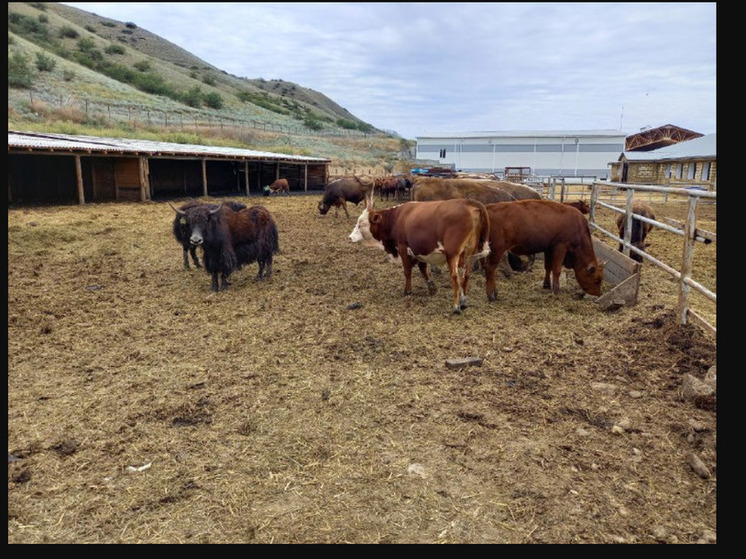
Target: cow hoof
(456, 310)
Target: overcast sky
(419, 68)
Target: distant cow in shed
(280, 186)
(444, 232)
(183, 231)
(426, 189)
(233, 238)
(640, 229)
(342, 190)
(559, 231)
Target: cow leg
(459, 298)
(186, 258)
(407, 266)
(490, 266)
(214, 286)
(547, 268)
(195, 258)
(432, 289)
(558, 257)
(344, 206)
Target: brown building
(687, 163)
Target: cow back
(430, 189)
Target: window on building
(442, 153)
(691, 171)
(679, 170)
(668, 170)
(706, 171)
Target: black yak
(183, 232)
(232, 238)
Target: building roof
(528, 134)
(704, 147)
(46, 142)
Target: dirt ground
(317, 407)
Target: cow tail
(483, 244)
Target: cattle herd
(459, 223)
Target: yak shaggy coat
(232, 239)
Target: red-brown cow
(580, 205)
(560, 231)
(452, 232)
(640, 229)
(280, 186)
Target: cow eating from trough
(639, 231)
(183, 231)
(280, 186)
(444, 232)
(345, 189)
(560, 231)
(232, 238)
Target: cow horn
(177, 210)
(216, 210)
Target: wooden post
(688, 256)
(204, 177)
(79, 176)
(246, 175)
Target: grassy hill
(75, 72)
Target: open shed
(63, 169)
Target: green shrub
(20, 75)
(142, 65)
(208, 80)
(67, 32)
(43, 18)
(214, 100)
(86, 44)
(68, 75)
(45, 63)
(193, 97)
(114, 49)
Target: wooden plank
(618, 266)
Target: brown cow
(640, 229)
(342, 190)
(452, 232)
(387, 186)
(561, 232)
(433, 188)
(519, 191)
(580, 205)
(280, 186)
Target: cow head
(323, 208)
(366, 224)
(591, 277)
(196, 219)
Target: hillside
(73, 71)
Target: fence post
(688, 257)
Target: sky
(417, 68)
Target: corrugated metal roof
(702, 147)
(528, 134)
(93, 144)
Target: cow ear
(375, 218)
(591, 268)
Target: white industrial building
(568, 153)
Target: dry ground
(142, 408)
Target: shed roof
(702, 147)
(47, 142)
(528, 134)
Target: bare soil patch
(316, 407)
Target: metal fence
(603, 194)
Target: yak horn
(177, 210)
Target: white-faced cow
(560, 231)
(448, 232)
(231, 239)
(345, 189)
(280, 186)
(640, 229)
(183, 231)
